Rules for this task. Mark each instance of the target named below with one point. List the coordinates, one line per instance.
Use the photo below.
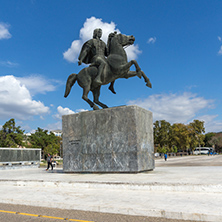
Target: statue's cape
(89, 56)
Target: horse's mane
(111, 35)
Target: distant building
(25, 139)
(57, 132)
(28, 134)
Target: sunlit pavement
(180, 188)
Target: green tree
(216, 142)
(174, 149)
(207, 138)
(196, 129)
(162, 150)
(48, 142)
(162, 134)
(54, 144)
(181, 136)
(11, 135)
(178, 136)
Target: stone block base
(118, 139)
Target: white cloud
(81, 110)
(132, 52)
(151, 40)
(72, 53)
(4, 33)
(86, 33)
(62, 111)
(37, 84)
(173, 108)
(8, 64)
(25, 127)
(16, 101)
(66, 111)
(211, 124)
(54, 126)
(220, 51)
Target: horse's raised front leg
(138, 69)
(134, 73)
(147, 80)
(129, 64)
(85, 97)
(96, 94)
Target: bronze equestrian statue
(103, 70)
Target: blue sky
(178, 45)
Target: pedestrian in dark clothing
(49, 161)
(165, 156)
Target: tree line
(13, 136)
(167, 138)
(180, 137)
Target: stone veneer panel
(19, 155)
(118, 139)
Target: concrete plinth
(118, 139)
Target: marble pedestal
(118, 139)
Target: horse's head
(125, 40)
(122, 39)
(116, 42)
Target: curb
(173, 187)
(124, 211)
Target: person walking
(165, 156)
(49, 161)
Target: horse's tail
(70, 82)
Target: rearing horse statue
(116, 67)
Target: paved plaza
(187, 188)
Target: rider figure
(94, 52)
